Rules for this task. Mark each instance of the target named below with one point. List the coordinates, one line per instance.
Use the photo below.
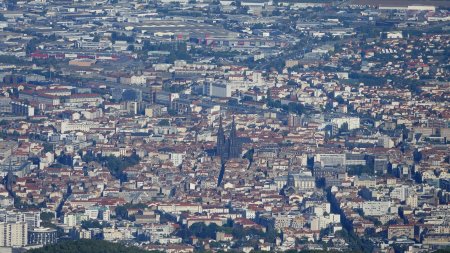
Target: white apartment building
(67, 126)
(13, 234)
(352, 122)
(376, 208)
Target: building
(177, 158)
(352, 122)
(32, 218)
(19, 108)
(396, 231)
(82, 126)
(217, 89)
(376, 208)
(380, 164)
(330, 159)
(294, 120)
(40, 98)
(83, 99)
(231, 147)
(13, 234)
(42, 236)
(300, 182)
(165, 98)
(5, 105)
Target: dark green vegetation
(359, 170)
(202, 231)
(116, 165)
(122, 211)
(288, 251)
(46, 218)
(86, 224)
(177, 51)
(87, 246)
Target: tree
(292, 83)
(164, 122)
(122, 211)
(200, 230)
(296, 108)
(32, 45)
(233, 102)
(46, 218)
(359, 170)
(48, 147)
(86, 224)
(116, 165)
(88, 246)
(65, 159)
(340, 100)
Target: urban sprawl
(226, 125)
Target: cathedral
(231, 147)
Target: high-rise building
(294, 120)
(13, 234)
(32, 218)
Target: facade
(331, 159)
(83, 99)
(217, 89)
(5, 105)
(40, 98)
(19, 108)
(300, 182)
(31, 218)
(395, 231)
(13, 234)
(230, 147)
(376, 208)
(42, 236)
(352, 122)
(66, 126)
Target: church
(230, 147)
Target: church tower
(221, 145)
(234, 145)
(228, 147)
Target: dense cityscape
(224, 126)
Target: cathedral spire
(234, 145)
(220, 139)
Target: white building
(13, 234)
(376, 208)
(176, 158)
(330, 159)
(321, 222)
(67, 126)
(352, 122)
(217, 89)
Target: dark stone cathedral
(230, 147)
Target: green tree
(164, 122)
(88, 246)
